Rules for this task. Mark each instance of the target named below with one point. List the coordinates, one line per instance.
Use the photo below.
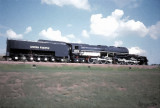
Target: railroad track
(52, 64)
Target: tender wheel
(23, 58)
(62, 60)
(30, 58)
(45, 59)
(9, 58)
(38, 59)
(52, 59)
(15, 58)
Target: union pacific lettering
(34, 47)
(39, 47)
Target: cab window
(76, 47)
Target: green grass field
(22, 86)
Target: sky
(134, 24)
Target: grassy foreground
(22, 86)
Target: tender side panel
(42, 49)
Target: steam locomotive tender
(45, 50)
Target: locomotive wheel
(92, 61)
(109, 62)
(121, 63)
(83, 61)
(131, 63)
(103, 62)
(76, 60)
(126, 63)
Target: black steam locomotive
(55, 51)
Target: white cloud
(103, 26)
(118, 43)
(13, 35)
(136, 50)
(71, 36)
(154, 30)
(57, 36)
(132, 27)
(117, 14)
(85, 34)
(28, 29)
(53, 35)
(79, 41)
(114, 25)
(80, 4)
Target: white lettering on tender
(41, 47)
(36, 47)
